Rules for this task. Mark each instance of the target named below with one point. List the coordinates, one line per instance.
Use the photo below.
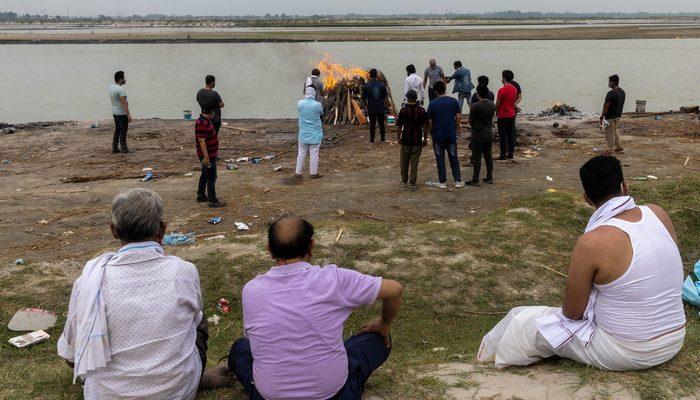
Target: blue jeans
(365, 354)
(461, 96)
(440, 147)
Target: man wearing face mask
(208, 95)
(612, 111)
(121, 113)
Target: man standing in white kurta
(622, 309)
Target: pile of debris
(562, 110)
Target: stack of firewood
(344, 105)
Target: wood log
(358, 113)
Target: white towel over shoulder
(558, 329)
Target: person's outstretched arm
(390, 293)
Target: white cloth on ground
(301, 157)
(153, 305)
(516, 341)
(90, 349)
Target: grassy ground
(458, 276)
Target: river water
(264, 80)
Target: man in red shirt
(207, 144)
(505, 109)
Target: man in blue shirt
(375, 95)
(463, 84)
(444, 118)
(310, 132)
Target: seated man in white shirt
(622, 309)
(135, 328)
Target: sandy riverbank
(331, 34)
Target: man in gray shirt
(433, 73)
(208, 95)
(481, 120)
(121, 113)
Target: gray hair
(137, 215)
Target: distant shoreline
(337, 34)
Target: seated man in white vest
(622, 308)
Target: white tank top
(645, 302)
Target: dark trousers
(201, 341)
(217, 126)
(440, 147)
(365, 354)
(410, 155)
(207, 181)
(121, 126)
(506, 136)
(432, 94)
(482, 147)
(375, 118)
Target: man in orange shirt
(505, 109)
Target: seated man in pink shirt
(293, 319)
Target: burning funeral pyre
(343, 98)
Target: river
(264, 80)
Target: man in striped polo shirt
(413, 135)
(208, 152)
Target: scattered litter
(32, 319)
(189, 174)
(20, 261)
(691, 289)
(214, 319)
(242, 159)
(95, 125)
(569, 141)
(8, 130)
(231, 167)
(217, 237)
(340, 233)
(223, 306)
(436, 222)
(278, 169)
(551, 190)
(256, 160)
(270, 157)
(148, 177)
(241, 226)
(652, 177)
(268, 190)
(147, 169)
(341, 212)
(436, 349)
(215, 220)
(641, 178)
(530, 153)
(472, 212)
(6, 161)
(658, 118)
(687, 160)
(224, 123)
(177, 239)
(555, 125)
(595, 149)
(549, 178)
(29, 339)
(43, 222)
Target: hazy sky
(305, 7)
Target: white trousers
(516, 341)
(301, 157)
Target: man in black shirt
(481, 120)
(208, 95)
(612, 111)
(484, 80)
(375, 95)
(412, 133)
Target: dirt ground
(60, 178)
(400, 33)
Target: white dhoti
(516, 341)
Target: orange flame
(332, 73)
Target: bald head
(290, 237)
(433, 62)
